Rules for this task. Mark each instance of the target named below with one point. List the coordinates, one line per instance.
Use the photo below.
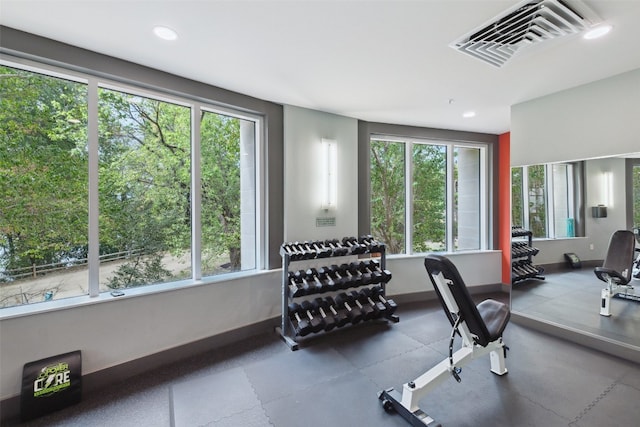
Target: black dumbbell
(368, 312)
(388, 303)
(314, 283)
(300, 277)
(353, 313)
(294, 255)
(341, 282)
(379, 308)
(352, 280)
(315, 321)
(324, 274)
(295, 288)
(358, 276)
(301, 326)
(309, 251)
(337, 249)
(373, 245)
(374, 266)
(321, 250)
(339, 314)
(306, 251)
(353, 245)
(376, 274)
(329, 319)
(362, 269)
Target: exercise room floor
(333, 380)
(572, 298)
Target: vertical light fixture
(607, 187)
(329, 173)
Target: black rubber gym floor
(333, 381)
(572, 299)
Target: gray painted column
(468, 212)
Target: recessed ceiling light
(469, 114)
(165, 33)
(596, 32)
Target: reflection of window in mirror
(547, 199)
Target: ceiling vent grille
(525, 24)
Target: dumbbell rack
(522, 253)
(314, 255)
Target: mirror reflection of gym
(572, 210)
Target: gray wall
(599, 119)
(304, 130)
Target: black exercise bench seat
(617, 270)
(481, 328)
(487, 321)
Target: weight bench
(617, 269)
(480, 327)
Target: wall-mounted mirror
(555, 203)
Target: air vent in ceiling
(525, 24)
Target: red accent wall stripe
(504, 204)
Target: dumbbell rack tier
(323, 291)
(522, 253)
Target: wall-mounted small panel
(326, 222)
(599, 211)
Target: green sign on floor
(51, 384)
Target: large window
(543, 199)
(176, 184)
(144, 191)
(427, 196)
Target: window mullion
(525, 198)
(484, 205)
(408, 164)
(196, 195)
(93, 149)
(570, 192)
(550, 205)
(449, 199)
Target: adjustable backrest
(620, 256)
(437, 264)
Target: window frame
(96, 81)
(573, 175)
(450, 146)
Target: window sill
(457, 253)
(105, 297)
(556, 239)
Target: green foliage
(537, 201)
(220, 160)
(517, 212)
(142, 270)
(388, 195)
(429, 197)
(144, 178)
(44, 169)
(144, 174)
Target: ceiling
(382, 61)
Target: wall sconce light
(607, 188)
(329, 173)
